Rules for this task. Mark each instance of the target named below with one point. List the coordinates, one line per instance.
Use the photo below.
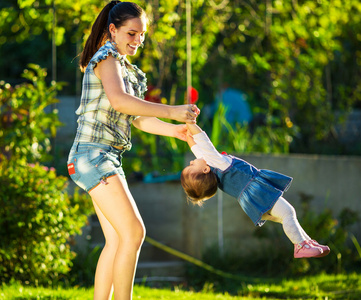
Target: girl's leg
(284, 213)
(118, 207)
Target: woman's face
(129, 36)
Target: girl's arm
(109, 72)
(194, 128)
(204, 148)
(155, 126)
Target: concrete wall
(333, 182)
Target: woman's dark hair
(115, 12)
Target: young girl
(259, 192)
(111, 101)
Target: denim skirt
(91, 164)
(256, 190)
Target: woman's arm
(109, 72)
(155, 126)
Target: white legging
(284, 213)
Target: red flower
(193, 95)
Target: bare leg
(118, 207)
(103, 283)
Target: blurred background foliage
(297, 62)
(27, 121)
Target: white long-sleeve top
(205, 149)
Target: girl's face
(129, 36)
(198, 165)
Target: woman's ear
(112, 29)
(206, 170)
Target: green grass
(345, 286)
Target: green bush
(37, 218)
(27, 118)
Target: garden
(297, 64)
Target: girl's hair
(199, 186)
(115, 12)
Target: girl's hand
(185, 113)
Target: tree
(291, 58)
(164, 57)
(298, 61)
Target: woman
(111, 101)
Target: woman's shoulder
(103, 52)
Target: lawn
(318, 287)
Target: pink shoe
(306, 249)
(326, 250)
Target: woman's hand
(187, 113)
(190, 139)
(180, 132)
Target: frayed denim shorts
(91, 164)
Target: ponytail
(98, 35)
(115, 12)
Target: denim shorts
(90, 164)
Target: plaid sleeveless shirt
(98, 122)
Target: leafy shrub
(37, 218)
(26, 121)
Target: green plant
(271, 137)
(27, 122)
(37, 218)
(84, 266)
